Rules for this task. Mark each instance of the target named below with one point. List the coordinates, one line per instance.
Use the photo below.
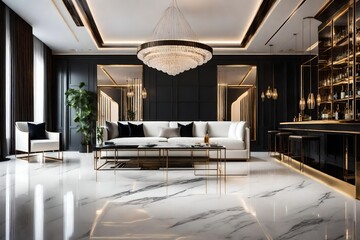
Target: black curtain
(3, 149)
(50, 92)
(22, 64)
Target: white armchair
(50, 142)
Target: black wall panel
(191, 95)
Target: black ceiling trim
(93, 28)
(287, 19)
(73, 13)
(260, 16)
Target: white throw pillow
(232, 130)
(240, 130)
(169, 132)
(200, 129)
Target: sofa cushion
(169, 132)
(36, 131)
(40, 145)
(240, 130)
(152, 128)
(124, 130)
(186, 140)
(186, 130)
(139, 140)
(230, 144)
(200, 129)
(113, 129)
(136, 130)
(232, 130)
(218, 128)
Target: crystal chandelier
(174, 47)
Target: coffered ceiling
(119, 26)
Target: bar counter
(339, 148)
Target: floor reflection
(71, 201)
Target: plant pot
(85, 148)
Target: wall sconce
(130, 93)
(144, 93)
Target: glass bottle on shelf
(324, 113)
(330, 97)
(337, 112)
(347, 112)
(342, 93)
(350, 92)
(346, 92)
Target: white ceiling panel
(221, 24)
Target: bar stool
(283, 138)
(271, 135)
(303, 139)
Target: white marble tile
(72, 201)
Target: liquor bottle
(346, 92)
(350, 92)
(206, 138)
(324, 114)
(342, 93)
(347, 112)
(337, 112)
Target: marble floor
(72, 201)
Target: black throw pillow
(186, 130)
(123, 130)
(136, 130)
(36, 131)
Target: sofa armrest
(247, 141)
(53, 135)
(22, 140)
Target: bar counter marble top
(334, 126)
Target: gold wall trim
(321, 177)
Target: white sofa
(235, 136)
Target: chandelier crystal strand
(174, 47)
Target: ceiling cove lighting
(174, 47)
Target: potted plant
(99, 135)
(84, 104)
(130, 115)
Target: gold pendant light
(311, 98)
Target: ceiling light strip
(288, 18)
(109, 76)
(259, 18)
(63, 18)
